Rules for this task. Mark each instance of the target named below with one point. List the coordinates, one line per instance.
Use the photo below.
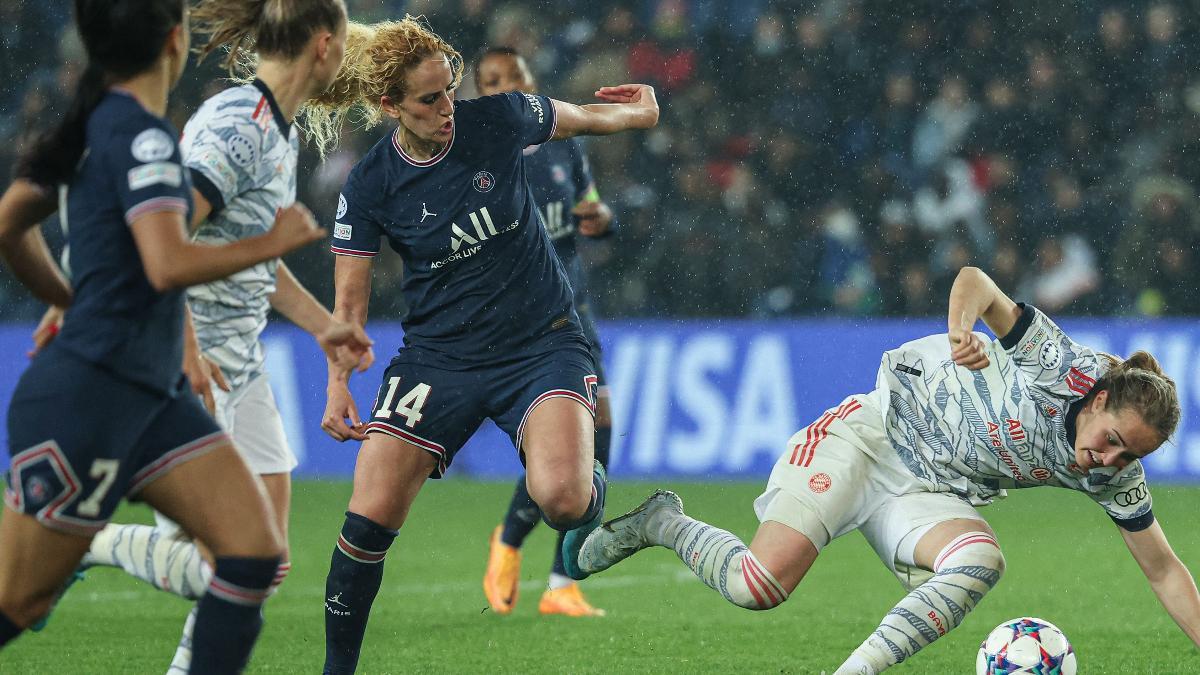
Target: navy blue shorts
(437, 409)
(80, 438)
(584, 310)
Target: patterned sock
(355, 573)
(229, 616)
(721, 561)
(167, 562)
(523, 515)
(595, 507)
(966, 569)
(182, 661)
(8, 630)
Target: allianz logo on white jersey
(466, 243)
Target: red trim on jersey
(425, 444)
(432, 160)
(352, 252)
(174, 458)
(1078, 382)
(588, 381)
(964, 540)
(262, 103)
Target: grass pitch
(1066, 563)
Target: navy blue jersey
(559, 177)
(117, 320)
(480, 279)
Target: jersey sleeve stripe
(353, 252)
(155, 205)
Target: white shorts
(250, 416)
(840, 474)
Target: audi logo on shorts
(1132, 496)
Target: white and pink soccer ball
(1026, 645)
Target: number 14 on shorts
(409, 406)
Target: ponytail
(55, 154)
(249, 28)
(378, 58)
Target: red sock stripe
(750, 583)
(963, 540)
(359, 554)
(238, 595)
(757, 574)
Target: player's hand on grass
(347, 346)
(340, 408)
(967, 349)
(594, 218)
(294, 227)
(637, 95)
(47, 329)
(201, 374)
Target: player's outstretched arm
(628, 106)
(352, 292)
(22, 246)
(975, 296)
(344, 343)
(1168, 576)
(171, 260)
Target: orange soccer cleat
(567, 601)
(503, 574)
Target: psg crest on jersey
(484, 181)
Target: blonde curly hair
(378, 59)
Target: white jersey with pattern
(241, 153)
(1010, 425)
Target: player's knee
(562, 506)
(973, 549)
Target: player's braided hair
(1139, 383)
(246, 28)
(378, 59)
(122, 38)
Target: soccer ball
(1026, 645)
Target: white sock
(558, 581)
(721, 561)
(182, 661)
(168, 563)
(966, 569)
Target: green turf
(1066, 563)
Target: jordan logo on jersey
(425, 212)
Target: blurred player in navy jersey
(240, 150)
(561, 181)
(104, 410)
(490, 331)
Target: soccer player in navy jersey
(240, 151)
(490, 331)
(104, 410)
(561, 180)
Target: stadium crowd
(813, 157)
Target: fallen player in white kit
(954, 420)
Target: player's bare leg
(239, 528)
(387, 477)
(966, 563)
(562, 474)
(35, 562)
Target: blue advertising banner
(700, 399)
